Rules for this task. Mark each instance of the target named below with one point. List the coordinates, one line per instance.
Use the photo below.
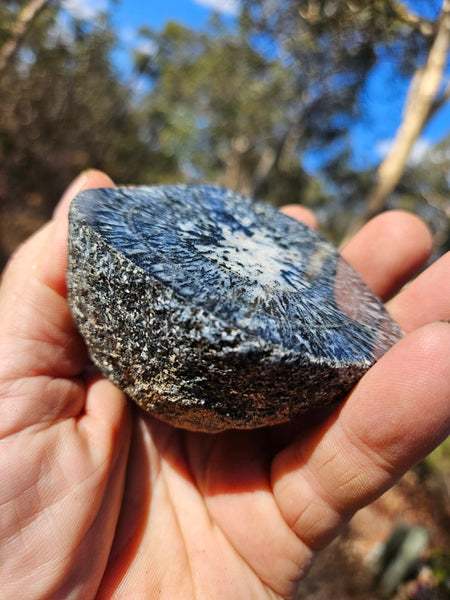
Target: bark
(235, 176)
(19, 29)
(273, 158)
(268, 161)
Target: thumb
(38, 336)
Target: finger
(389, 250)
(300, 213)
(105, 417)
(426, 299)
(395, 416)
(38, 334)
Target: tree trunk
(19, 29)
(420, 105)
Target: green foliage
(439, 461)
(246, 107)
(216, 104)
(62, 110)
(439, 562)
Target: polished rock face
(213, 311)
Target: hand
(99, 500)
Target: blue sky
(383, 100)
(156, 12)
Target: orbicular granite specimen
(213, 311)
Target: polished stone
(214, 311)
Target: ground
(343, 571)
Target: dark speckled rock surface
(213, 311)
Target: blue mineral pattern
(215, 311)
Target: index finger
(389, 250)
(395, 416)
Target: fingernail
(73, 189)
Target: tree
(216, 104)
(264, 107)
(248, 107)
(425, 98)
(418, 45)
(18, 30)
(62, 109)
(234, 112)
(425, 190)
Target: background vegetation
(265, 107)
(251, 107)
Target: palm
(202, 504)
(103, 501)
(191, 520)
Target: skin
(101, 501)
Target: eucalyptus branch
(19, 29)
(439, 102)
(423, 101)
